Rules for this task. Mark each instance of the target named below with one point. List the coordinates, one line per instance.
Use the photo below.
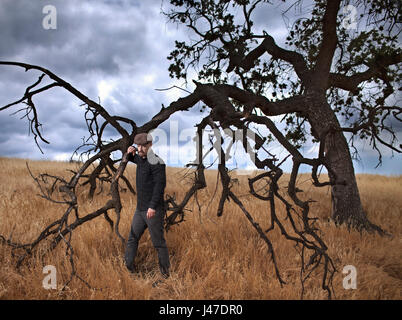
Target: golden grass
(211, 257)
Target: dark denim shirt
(150, 180)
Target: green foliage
(223, 35)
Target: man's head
(144, 143)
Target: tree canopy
(350, 48)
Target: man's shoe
(164, 271)
(156, 283)
(130, 269)
(165, 274)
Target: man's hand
(131, 149)
(150, 213)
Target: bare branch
(329, 41)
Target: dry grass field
(211, 257)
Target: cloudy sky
(113, 51)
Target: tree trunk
(346, 203)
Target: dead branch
(302, 229)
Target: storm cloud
(113, 52)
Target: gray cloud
(90, 36)
(112, 50)
(113, 42)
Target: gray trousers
(155, 226)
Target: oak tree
(333, 82)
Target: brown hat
(142, 138)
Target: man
(151, 182)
